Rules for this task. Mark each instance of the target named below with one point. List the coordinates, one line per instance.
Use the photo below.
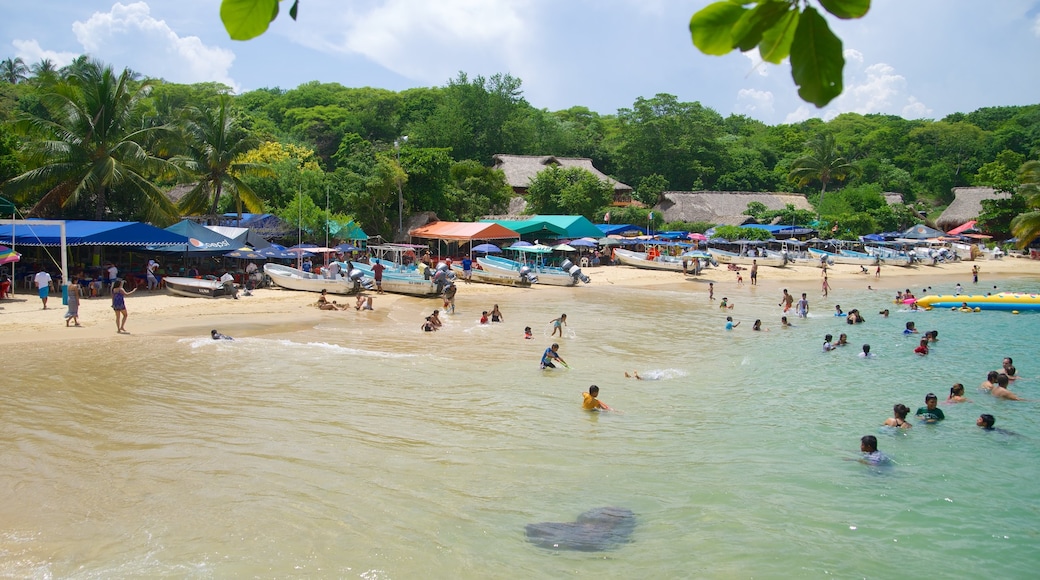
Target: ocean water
(364, 447)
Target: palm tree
(89, 145)
(824, 163)
(44, 71)
(1026, 226)
(212, 143)
(13, 70)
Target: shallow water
(367, 448)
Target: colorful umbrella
(245, 254)
(7, 255)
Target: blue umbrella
(582, 243)
(245, 254)
(345, 248)
(488, 249)
(520, 244)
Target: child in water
(558, 324)
(591, 403)
(527, 333)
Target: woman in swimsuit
(119, 305)
(496, 314)
(899, 420)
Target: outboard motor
(574, 271)
(440, 277)
(358, 278)
(526, 275)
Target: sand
(22, 319)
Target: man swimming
(217, 336)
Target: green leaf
(711, 27)
(245, 19)
(294, 9)
(748, 31)
(776, 41)
(846, 9)
(816, 59)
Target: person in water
(986, 422)
(217, 336)
(757, 326)
(730, 325)
(552, 354)
(922, 349)
(957, 394)
(871, 455)
(558, 324)
(866, 352)
(930, 412)
(843, 340)
(591, 403)
(803, 307)
(1001, 391)
(827, 345)
(527, 333)
(784, 323)
(990, 382)
(910, 328)
(898, 418)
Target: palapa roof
(966, 206)
(521, 169)
(722, 207)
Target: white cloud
(758, 104)
(1036, 26)
(31, 52)
(129, 35)
(800, 114)
(426, 41)
(915, 109)
(852, 54)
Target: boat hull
(1000, 301)
(196, 288)
(511, 268)
(730, 258)
(639, 260)
(487, 277)
(835, 258)
(296, 279)
(397, 282)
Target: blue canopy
(620, 229)
(91, 233)
(197, 239)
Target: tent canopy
(921, 232)
(620, 229)
(532, 227)
(241, 236)
(552, 226)
(464, 231)
(91, 233)
(966, 226)
(200, 239)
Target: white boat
(404, 282)
(296, 279)
(844, 257)
(488, 277)
(694, 261)
(725, 257)
(545, 274)
(196, 287)
(892, 257)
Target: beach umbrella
(487, 249)
(565, 248)
(520, 244)
(245, 254)
(697, 236)
(583, 243)
(7, 255)
(281, 254)
(346, 248)
(609, 242)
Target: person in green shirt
(930, 412)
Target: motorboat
(545, 274)
(488, 277)
(199, 287)
(690, 261)
(725, 257)
(844, 257)
(295, 279)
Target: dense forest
(89, 141)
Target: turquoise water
(366, 448)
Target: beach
(22, 318)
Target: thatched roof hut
(721, 207)
(892, 197)
(966, 206)
(521, 169)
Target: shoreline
(268, 310)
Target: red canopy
(464, 231)
(961, 228)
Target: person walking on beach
(467, 269)
(72, 315)
(754, 272)
(377, 274)
(552, 354)
(877, 272)
(149, 272)
(43, 285)
(558, 324)
(119, 305)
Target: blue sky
(914, 58)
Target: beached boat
(488, 277)
(999, 301)
(406, 281)
(546, 275)
(196, 287)
(694, 261)
(296, 279)
(892, 257)
(844, 257)
(725, 257)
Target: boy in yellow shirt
(591, 403)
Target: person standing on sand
(43, 285)
(377, 274)
(877, 272)
(119, 305)
(72, 315)
(754, 272)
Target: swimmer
(827, 346)
(957, 394)
(217, 336)
(884, 313)
(496, 314)
(871, 455)
(757, 326)
(837, 310)
(843, 340)
(930, 412)
(725, 304)
(428, 325)
(910, 328)
(803, 307)
(552, 354)
(730, 325)
(591, 403)
(784, 323)
(898, 419)
(527, 333)
(866, 352)
(711, 291)
(1001, 391)
(922, 349)
(484, 319)
(558, 324)
(990, 382)
(986, 421)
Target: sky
(912, 58)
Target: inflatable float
(1012, 301)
